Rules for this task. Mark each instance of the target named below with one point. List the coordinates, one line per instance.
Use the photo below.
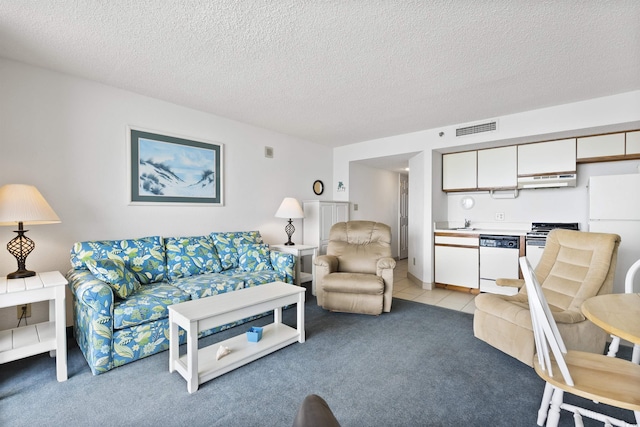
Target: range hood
(547, 181)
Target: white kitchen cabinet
(319, 216)
(549, 157)
(459, 171)
(600, 146)
(457, 261)
(498, 168)
(633, 143)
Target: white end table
(300, 251)
(18, 343)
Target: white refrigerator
(614, 207)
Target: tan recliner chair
(356, 274)
(574, 266)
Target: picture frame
(170, 169)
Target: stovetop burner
(541, 229)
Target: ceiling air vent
(482, 127)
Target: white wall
(377, 193)
(67, 136)
(612, 113)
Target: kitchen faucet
(467, 223)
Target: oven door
(534, 249)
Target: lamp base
(20, 274)
(20, 247)
(289, 229)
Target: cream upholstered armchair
(574, 266)
(356, 274)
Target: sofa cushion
(255, 278)
(144, 257)
(115, 274)
(188, 256)
(353, 283)
(227, 245)
(206, 285)
(150, 303)
(254, 257)
(140, 341)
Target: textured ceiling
(338, 72)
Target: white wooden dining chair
(595, 377)
(628, 289)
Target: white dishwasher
(498, 259)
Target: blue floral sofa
(122, 288)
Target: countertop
(483, 231)
(500, 229)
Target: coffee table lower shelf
(274, 337)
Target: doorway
(403, 220)
(379, 190)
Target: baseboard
(458, 288)
(428, 286)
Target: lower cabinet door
(457, 266)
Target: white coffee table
(199, 366)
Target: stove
(541, 229)
(536, 239)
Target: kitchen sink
(463, 228)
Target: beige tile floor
(405, 289)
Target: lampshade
(290, 208)
(24, 203)
(19, 205)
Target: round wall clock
(318, 187)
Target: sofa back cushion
(227, 244)
(254, 257)
(115, 274)
(144, 257)
(359, 245)
(577, 265)
(189, 256)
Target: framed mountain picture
(172, 169)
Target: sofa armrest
(516, 283)
(90, 291)
(93, 302)
(568, 316)
(326, 262)
(283, 263)
(384, 269)
(324, 265)
(384, 264)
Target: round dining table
(618, 314)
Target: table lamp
(289, 208)
(23, 204)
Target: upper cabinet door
(498, 168)
(593, 147)
(459, 171)
(633, 143)
(547, 157)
